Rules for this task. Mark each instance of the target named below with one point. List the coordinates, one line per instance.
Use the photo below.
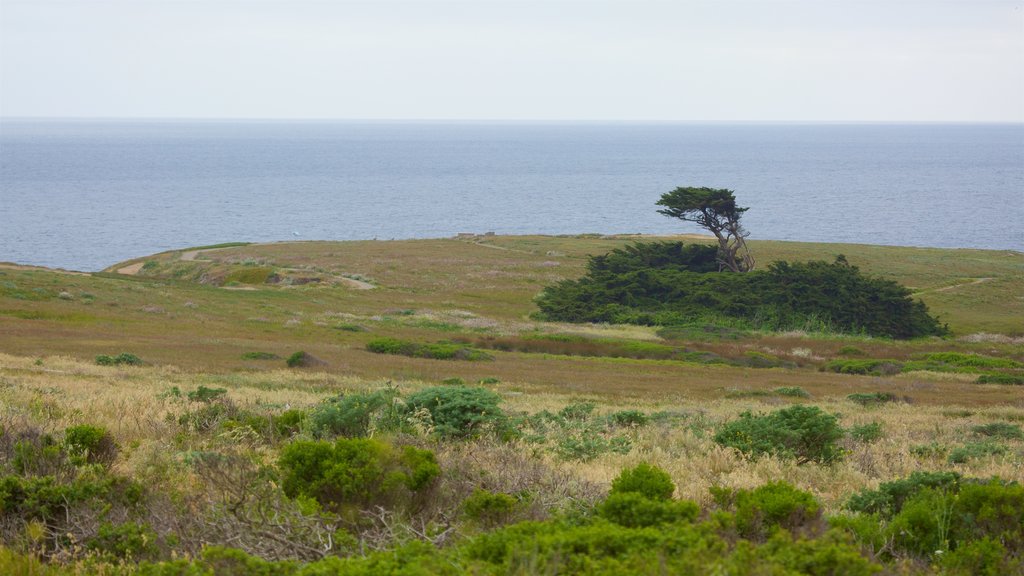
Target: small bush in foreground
(1011, 379)
(489, 508)
(1003, 430)
(91, 444)
(888, 499)
(761, 511)
(867, 433)
(648, 481)
(206, 395)
(805, 433)
(975, 450)
(634, 510)
(353, 415)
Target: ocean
(85, 194)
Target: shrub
(259, 356)
(249, 275)
(123, 358)
(206, 395)
(761, 511)
(489, 508)
(648, 481)
(850, 351)
(985, 557)
(296, 359)
(289, 422)
(354, 415)
(970, 360)
(454, 381)
(997, 378)
(355, 472)
(458, 411)
(873, 367)
(922, 525)
(628, 418)
(975, 450)
(805, 433)
(127, 541)
(1003, 430)
(579, 411)
(634, 510)
(350, 328)
(489, 380)
(872, 398)
(792, 391)
(867, 433)
(990, 510)
(438, 351)
(92, 444)
(889, 498)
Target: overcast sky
(687, 60)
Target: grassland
(228, 316)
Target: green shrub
(761, 511)
(634, 510)
(850, 351)
(489, 508)
(489, 380)
(970, 360)
(889, 498)
(930, 450)
(437, 351)
(586, 443)
(124, 358)
(355, 414)
(206, 395)
(259, 356)
(249, 275)
(289, 422)
(923, 524)
(985, 557)
(872, 367)
(792, 391)
(648, 481)
(805, 433)
(579, 411)
(1003, 430)
(454, 381)
(458, 411)
(997, 378)
(296, 359)
(350, 328)
(990, 510)
(872, 398)
(628, 418)
(127, 541)
(867, 433)
(92, 444)
(975, 450)
(355, 472)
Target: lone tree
(716, 210)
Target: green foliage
(1003, 430)
(206, 395)
(350, 328)
(453, 381)
(628, 418)
(975, 450)
(123, 358)
(872, 367)
(763, 510)
(289, 422)
(437, 351)
(889, 498)
(872, 398)
(50, 499)
(579, 411)
(129, 541)
(970, 360)
(296, 359)
(997, 378)
(792, 391)
(622, 287)
(922, 525)
(867, 433)
(458, 411)
(489, 380)
(489, 508)
(92, 444)
(805, 433)
(259, 356)
(985, 557)
(850, 351)
(355, 472)
(249, 275)
(634, 510)
(648, 481)
(355, 415)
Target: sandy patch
(131, 269)
(239, 288)
(357, 284)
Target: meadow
(272, 331)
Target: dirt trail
(955, 286)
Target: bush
(296, 359)
(975, 450)
(355, 472)
(761, 511)
(997, 378)
(123, 358)
(872, 398)
(206, 395)
(889, 498)
(805, 433)
(288, 423)
(628, 418)
(867, 433)
(438, 351)
(127, 541)
(355, 414)
(792, 391)
(922, 525)
(990, 510)
(850, 351)
(92, 444)
(864, 367)
(648, 481)
(489, 508)
(578, 411)
(458, 411)
(634, 510)
(1003, 430)
(259, 356)
(256, 275)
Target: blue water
(86, 194)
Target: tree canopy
(715, 210)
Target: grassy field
(196, 317)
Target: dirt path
(955, 286)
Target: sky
(633, 60)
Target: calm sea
(86, 194)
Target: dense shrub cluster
(805, 433)
(671, 283)
(124, 358)
(437, 351)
